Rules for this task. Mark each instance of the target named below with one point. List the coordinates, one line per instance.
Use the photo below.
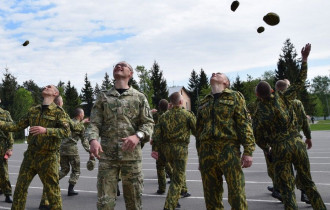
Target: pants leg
(5, 185)
(65, 166)
(160, 166)
(132, 180)
(25, 176)
(107, 179)
(75, 169)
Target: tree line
(17, 99)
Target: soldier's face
(122, 70)
(219, 78)
(49, 90)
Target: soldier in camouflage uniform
(162, 165)
(121, 117)
(275, 124)
(223, 125)
(6, 149)
(303, 125)
(174, 126)
(48, 126)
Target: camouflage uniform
(115, 116)
(222, 126)
(6, 142)
(174, 127)
(42, 154)
(275, 124)
(69, 154)
(162, 165)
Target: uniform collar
(114, 92)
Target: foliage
(106, 83)
(145, 82)
(159, 84)
(194, 91)
(8, 89)
(72, 99)
(35, 90)
(321, 87)
(87, 96)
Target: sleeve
(259, 133)
(156, 137)
(146, 122)
(192, 123)
(305, 125)
(292, 91)
(96, 120)
(85, 143)
(243, 125)
(10, 134)
(199, 129)
(63, 129)
(15, 126)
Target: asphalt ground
(256, 181)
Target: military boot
(304, 197)
(71, 190)
(118, 191)
(8, 199)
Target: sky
(69, 39)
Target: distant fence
(321, 118)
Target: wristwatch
(140, 135)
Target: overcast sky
(71, 38)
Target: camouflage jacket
(6, 138)
(302, 118)
(174, 127)
(156, 142)
(115, 116)
(224, 121)
(275, 120)
(69, 145)
(52, 118)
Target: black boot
(8, 199)
(1, 192)
(71, 190)
(276, 194)
(44, 207)
(304, 197)
(118, 191)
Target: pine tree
(8, 89)
(72, 99)
(159, 84)
(106, 83)
(35, 91)
(87, 96)
(97, 89)
(132, 83)
(238, 85)
(193, 91)
(203, 81)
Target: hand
(309, 143)
(246, 161)
(35, 130)
(9, 152)
(95, 148)
(154, 154)
(130, 142)
(86, 120)
(305, 52)
(153, 111)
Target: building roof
(175, 89)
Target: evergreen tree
(159, 84)
(72, 99)
(321, 88)
(87, 96)
(106, 83)
(97, 89)
(61, 89)
(35, 91)
(238, 85)
(8, 89)
(145, 82)
(132, 83)
(194, 91)
(203, 81)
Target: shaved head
(263, 90)
(281, 85)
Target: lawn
(321, 125)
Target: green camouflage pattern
(275, 125)
(42, 155)
(116, 116)
(132, 180)
(174, 128)
(223, 125)
(6, 142)
(303, 124)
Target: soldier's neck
(47, 100)
(217, 88)
(121, 84)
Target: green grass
(321, 125)
(19, 141)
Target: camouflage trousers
(132, 182)
(47, 167)
(5, 185)
(216, 161)
(294, 152)
(271, 171)
(65, 162)
(163, 168)
(177, 156)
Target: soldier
(69, 154)
(303, 125)
(49, 126)
(275, 125)
(222, 126)
(162, 166)
(6, 150)
(121, 117)
(174, 126)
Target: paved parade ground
(256, 181)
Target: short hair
(77, 112)
(263, 90)
(163, 105)
(58, 99)
(175, 98)
(228, 85)
(56, 90)
(128, 65)
(281, 85)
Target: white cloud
(179, 35)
